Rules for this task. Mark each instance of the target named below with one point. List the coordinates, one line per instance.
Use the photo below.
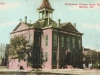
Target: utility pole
(58, 45)
(58, 52)
(97, 52)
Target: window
(79, 43)
(68, 42)
(73, 42)
(30, 39)
(46, 40)
(55, 56)
(19, 60)
(24, 59)
(55, 39)
(36, 57)
(37, 39)
(45, 56)
(62, 41)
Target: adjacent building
(90, 56)
(54, 45)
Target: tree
(19, 48)
(91, 56)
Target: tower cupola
(45, 10)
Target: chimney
(58, 23)
(20, 20)
(75, 25)
(25, 19)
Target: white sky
(87, 19)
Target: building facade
(54, 45)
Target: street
(5, 71)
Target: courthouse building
(54, 45)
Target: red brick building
(54, 45)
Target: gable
(20, 26)
(68, 27)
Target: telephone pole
(97, 52)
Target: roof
(40, 24)
(67, 26)
(43, 23)
(45, 4)
(86, 49)
(26, 24)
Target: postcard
(51, 36)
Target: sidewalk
(57, 71)
(75, 71)
(4, 69)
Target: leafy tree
(19, 48)
(91, 56)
